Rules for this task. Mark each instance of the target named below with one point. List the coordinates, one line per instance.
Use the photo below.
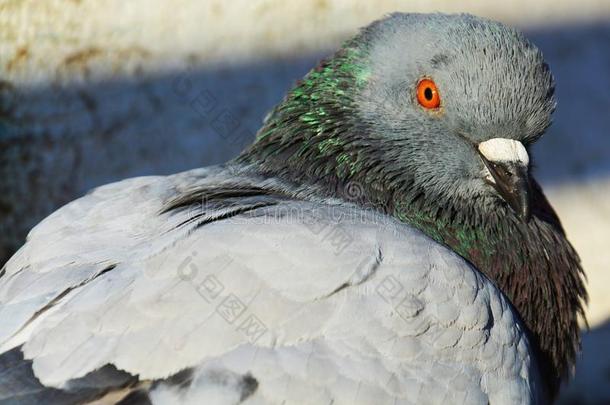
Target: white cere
(505, 151)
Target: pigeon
(382, 241)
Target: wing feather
(263, 299)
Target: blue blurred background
(94, 91)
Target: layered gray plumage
(333, 261)
(344, 304)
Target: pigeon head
(449, 103)
(431, 117)
(464, 96)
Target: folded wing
(209, 287)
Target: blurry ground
(93, 91)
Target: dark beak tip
(513, 185)
(518, 205)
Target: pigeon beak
(507, 162)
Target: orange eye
(427, 94)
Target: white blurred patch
(504, 150)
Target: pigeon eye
(427, 94)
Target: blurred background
(93, 91)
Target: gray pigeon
(381, 242)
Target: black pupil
(428, 93)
